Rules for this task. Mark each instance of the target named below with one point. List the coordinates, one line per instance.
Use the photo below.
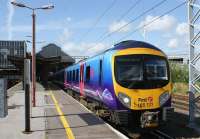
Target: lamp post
(45, 7)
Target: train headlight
(124, 99)
(149, 117)
(164, 97)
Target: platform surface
(56, 116)
(13, 125)
(82, 123)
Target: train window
(156, 69)
(73, 75)
(70, 75)
(80, 74)
(100, 72)
(141, 71)
(87, 73)
(77, 75)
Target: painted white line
(117, 132)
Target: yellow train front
(141, 80)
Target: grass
(181, 88)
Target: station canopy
(50, 60)
(53, 53)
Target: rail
(160, 135)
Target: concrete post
(27, 95)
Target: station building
(11, 55)
(50, 60)
(179, 59)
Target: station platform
(56, 116)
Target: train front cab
(148, 90)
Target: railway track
(144, 133)
(181, 101)
(160, 135)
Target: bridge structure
(79, 58)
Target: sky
(87, 27)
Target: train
(130, 83)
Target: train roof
(133, 44)
(128, 44)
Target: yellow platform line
(62, 118)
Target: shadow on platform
(51, 86)
(15, 106)
(88, 118)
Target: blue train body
(132, 76)
(99, 84)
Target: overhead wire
(133, 20)
(123, 15)
(129, 10)
(98, 19)
(155, 19)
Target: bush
(179, 73)
(180, 88)
(180, 77)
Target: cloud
(83, 49)
(50, 26)
(164, 23)
(9, 19)
(173, 43)
(179, 39)
(69, 19)
(66, 34)
(182, 29)
(95, 48)
(176, 33)
(117, 25)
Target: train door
(81, 81)
(65, 79)
(100, 73)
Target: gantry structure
(194, 60)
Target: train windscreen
(141, 71)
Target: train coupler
(149, 119)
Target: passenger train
(130, 81)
